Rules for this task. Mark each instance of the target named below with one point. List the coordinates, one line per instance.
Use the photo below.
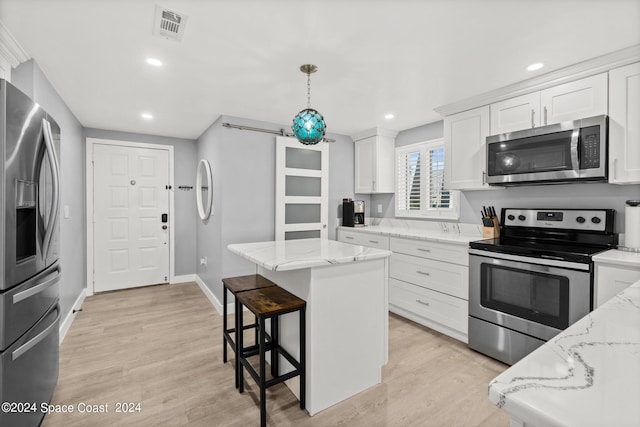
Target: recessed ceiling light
(535, 66)
(389, 116)
(155, 62)
(147, 116)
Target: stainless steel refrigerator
(29, 264)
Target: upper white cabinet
(521, 112)
(624, 125)
(464, 149)
(570, 101)
(374, 161)
(574, 100)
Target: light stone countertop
(445, 232)
(287, 255)
(588, 375)
(615, 256)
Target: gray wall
(184, 152)
(582, 195)
(243, 169)
(30, 79)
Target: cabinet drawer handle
(422, 302)
(348, 237)
(373, 241)
(424, 273)
(545, 115)
(533, 123)
(424, 250)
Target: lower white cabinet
(428, 280)
(429, 284)
(363, 239)
(612, 279)
(435, 310)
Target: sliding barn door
(302, 187)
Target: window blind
(420, 173)
(409, 183)
(438, 196)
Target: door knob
(164, 227)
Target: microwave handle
(575, 150)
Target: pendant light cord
(308, 90)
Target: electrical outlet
(203, 261)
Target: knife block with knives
(490, 223)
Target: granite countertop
(614, 256)
(588, 375)
(438, 232)
(286, 255)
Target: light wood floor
(161, 346)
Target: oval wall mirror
(204, 196)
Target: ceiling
(242, 57)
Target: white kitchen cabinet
(441, 312)
(465, 136)
(521, 112)
(611, 279)
(624, 125)
(425, 288)
(374, 161)
(574, 100)
(570, 101)
(363, 239)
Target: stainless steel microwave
(559, 153)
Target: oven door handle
(543, 262)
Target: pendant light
(309, 126)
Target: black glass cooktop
(574, 252)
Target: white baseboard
(66, 324)
(212, 298)
(185, 278)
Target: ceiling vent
(169, 24)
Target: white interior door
(130, 197)
(302, 189)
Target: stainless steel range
(536, 279)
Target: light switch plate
(66, 211)
(379, 208)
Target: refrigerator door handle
(55, 187)
(35, 340)
(21, 296)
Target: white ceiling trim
(10, 49)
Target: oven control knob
(596, 220)
(522, 217)
(580, 219)
(511, 217)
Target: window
(420, 188)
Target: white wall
(243, 168)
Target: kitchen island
(588, 375)
(346, 290)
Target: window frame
(450, 213)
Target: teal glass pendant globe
(309, 126)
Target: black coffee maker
(352, 213)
